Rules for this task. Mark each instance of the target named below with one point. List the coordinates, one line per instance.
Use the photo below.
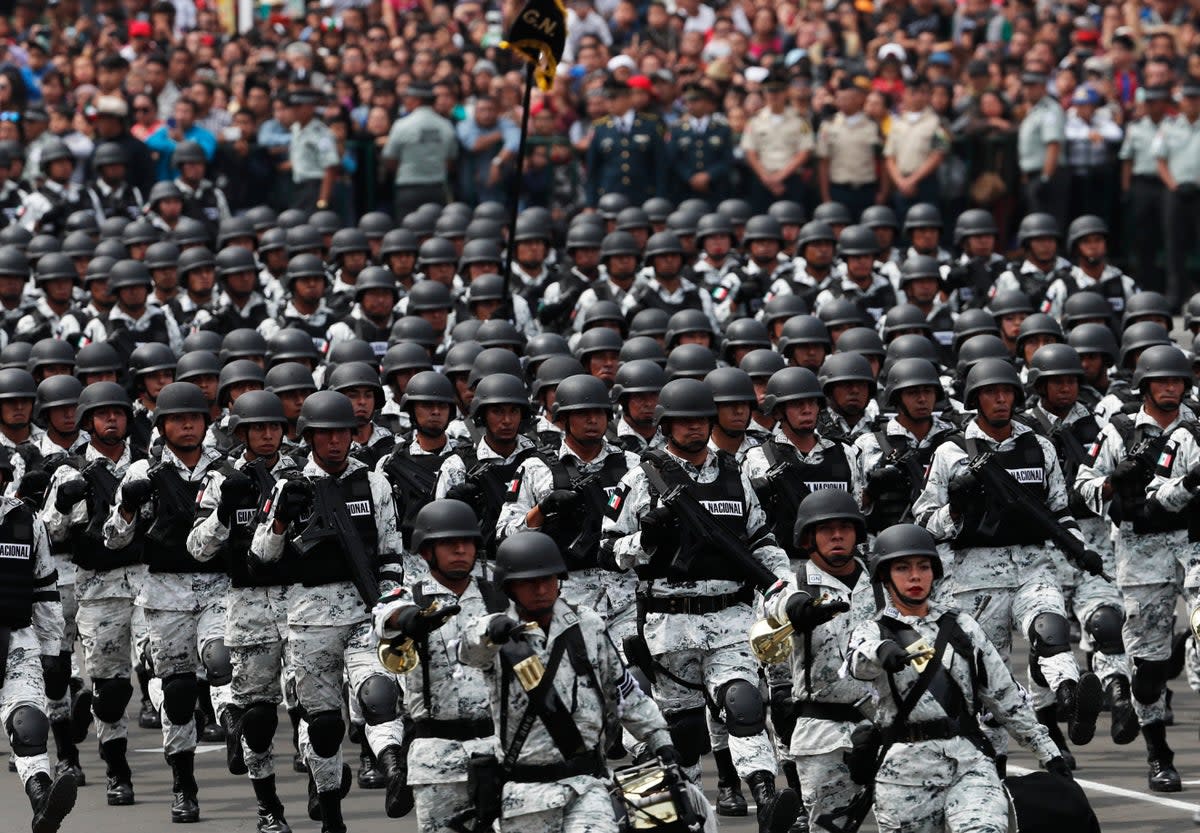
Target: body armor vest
(166, 539)
(802, 479)
(87, 541)
(1026, 464)
(125, 339)
(375, 336)
(492, 477)
(648, 298)
(578, 536)
(17, 583)
(62, 206)
(326, 563)
(412, 478)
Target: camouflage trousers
(106, 630)
(256, 635)
(920, 789)
(24, 686)
(574, 808)
(60, 709)
(712, 670)
(323, 654)
(382, 735)
(825, 783)
(177, 641)
(1148, 632)
(437, 804)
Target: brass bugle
(771, 644)
(398, 655)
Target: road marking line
(200, 750)
(1121, 792)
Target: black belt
(840, 712)
(465, 729)
(590, 764)
(697, 605)
(1147, 179)
(943, 729)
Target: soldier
(31, 625)
(329, 625)
(109, 188)
(131, 321)
(18, 433)
(238, 377)
(78, 502)
(45, 209)
(565, 493)
(692, 623)
(55, 276)
(733, 393)
(896, 455)
(619, 256)
(849, 387)
(449, 704)
(969, 279)
(306, 283)
(12, 195)
(372, 316)
(348, 253)
(359, 382)
(741, 292)
(479, 474)
(814, 708)
(556, 777)
(1097, 349)
(860, 282)
(1113, 483)
(635, 390)
(626, 154)
(923, 226)
(812, 270)
(716, 256)
(196, 270)
(202, 200)
(312, 152)
(240, 304)
(255, 630)
(532, 270)
(550, 373)
(664, 286)
(183, 599)
(557, 308)
(1039, 235)
(1087, 244)
(934, 733)
(1142, 185)
(998, 552)
(701, 147)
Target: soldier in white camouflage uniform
(256, 624)
(692, 623)
(184, 600)
(556, 776)
(937, 773)
(78, 503)
(1009, 562)
(329, 625)
(447, 700)
(1114, 484)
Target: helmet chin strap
(908, 600)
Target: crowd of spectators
(864, 101)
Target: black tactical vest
(803, 478)
(87, 541)
(649, 298)
(326, 563)
(16, 568)
(1026, 463)
(412, 478)
(125, 340)
(493, 478)
(166, 540)
(579, 535)
(54, 221)
(243, 571)
(377, 337)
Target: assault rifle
(330, 522)
(174, 505)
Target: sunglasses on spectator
(10, 116)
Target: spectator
(626, 154)
(777, 143)
(181, 126)
(422, 147)
(916, 146)
(209, 115)
(1178, 151)
(701, 149)
(1039, 148)
(1092, 140)
(847, 148)
(488, 147)
(1143, 188)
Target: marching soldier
(447, 700)
(1087, 244)
(860, 282)
(329, 625)
(183, 599)
(109, 188)
(1039, 235)
(692, 623)
(635, 390)
(45, 209)
(553, 756)
(927, 716)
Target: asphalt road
(1114, 778)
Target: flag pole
(514, 197)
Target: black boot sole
(185, 816)
(81, 716)
(1125, 727)
(59, 803)
(119, 799)
(784, 812)
(1089, 697)
(399, 801)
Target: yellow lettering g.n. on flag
(539, 35)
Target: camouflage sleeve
(931, 508)
(58, 525)
(758, 532)
(48, 621)
(622, 521)
(208, 533)
(1179, 456)
(474, 648)
(1056, 490)
(863, 661)
(388, 606)
(387, 527)
(451, 474)
(533, 482)
(1105, 453)
(265, 545)
(118, 532)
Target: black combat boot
(331, 812)
(185, 809)
(793, 781)
(399, 799)
(118, 790)
(730, 801)
(1048, 717)
(1124, 720)
(51, 800)
(370, 776)
(777, 811)
(66, 751)
(1163, 777)
(1083, 701)
(270, 808)
(231, 722)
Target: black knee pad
(745, 712)
(1104, 627)
(28, 729)
(379, 699)
(179, 697)
(689, 734)
(218, 664)
(259, 722)
(1049, 635)
(1149, 679)
(57, 677)
(111, 696)
(325, 731)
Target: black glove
(56, 674)
(1057, 766)
(235, 491)
(135, 494)
(1191, 480)
(885, 480)
(660, 529)
(501, 629)
(963, 492)
(805, 612)
(559, 502)
(294, 499)
(891, 656)
(668, 754)
(1127, 470)
(1091, 562)
(418, 624)
(69, 494)
(468, 492)
(33, 486)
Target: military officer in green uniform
(1178, 151)
(313, 153)
(1142, 185)
(701, 147)
(1039, 149)
(627, 154)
